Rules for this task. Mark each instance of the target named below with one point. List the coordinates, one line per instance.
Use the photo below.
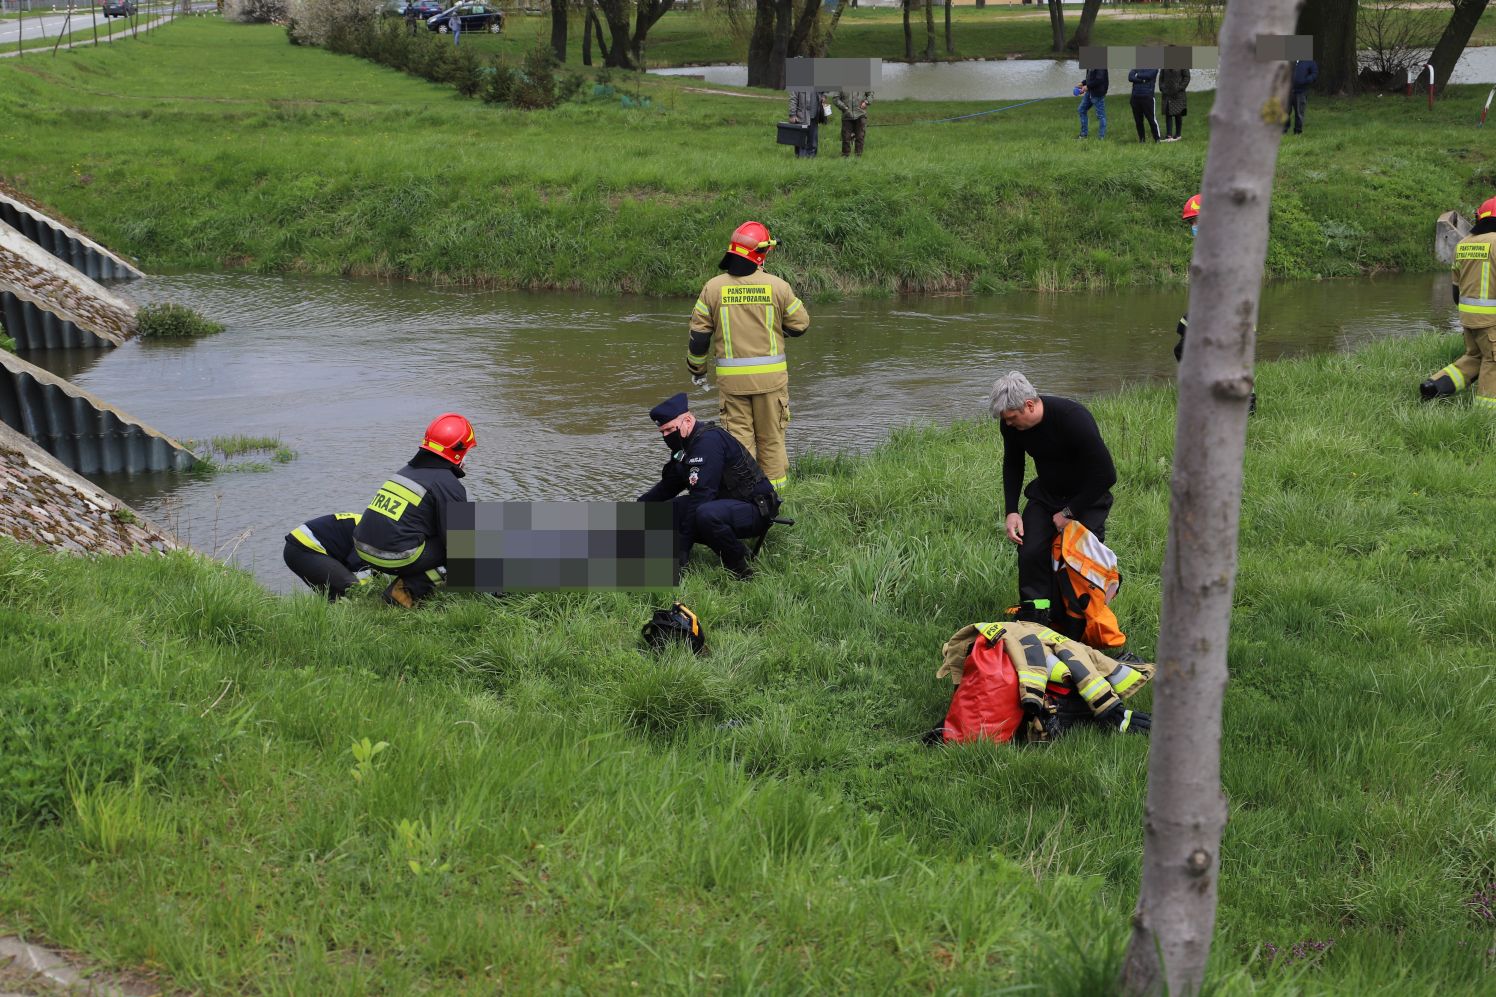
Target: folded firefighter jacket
(1049, 663)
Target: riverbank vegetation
(207, 145)
(195, 787)
(172, 321)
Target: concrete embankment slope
(47, 304)
(44, 503)
(62, 241)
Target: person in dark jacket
(1073, 476)
(727, 496)
(1093, 94)
(1305, 72)
(320, 552)
(1143, 82)
(1172, 84)
(404, 530)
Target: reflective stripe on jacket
(747, 319)
(1472, 276)
(331, 535)
(407, 512)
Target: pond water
(347, 374)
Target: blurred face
(1026, 417)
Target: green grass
(556, 810)
(221, 452)
(173, 321)
(208, 145)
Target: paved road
(46, 25)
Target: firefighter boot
(396, 595)
(1436, 387)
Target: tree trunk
(558, 29)
(761, 45)
(929, 30)
(784, 13)
(1456, 36)
(802, 35)
(1082, 34)
(950, 44)
(1186, 809)
(830, 32)
(616, 13)
(1057, 24)
(908, 33)
(649, 13)
(1333, 25)
(589, 22)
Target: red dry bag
(986, 702)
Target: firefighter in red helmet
(743, 318)
(404, 530)
(1474, 292)
(1191, 213)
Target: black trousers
(417, 581)
(722, 525)
(320, 571)
(1174, 125)
(1142, 110)
(1035, 564)
(1298, 102)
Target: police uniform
(1475, 294)
(320, 552)
(404, 530)
(744, 319)
(727, 498)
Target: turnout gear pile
(677, 623)
(1059, 683)
(1474, 292)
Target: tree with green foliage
(1186, 809)
(1456, 36)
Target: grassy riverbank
(554, 808)
(206, 145)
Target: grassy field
(208, 145)
(192, 783)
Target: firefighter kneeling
(404, 530)
(1027, 681)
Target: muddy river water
(347, 373)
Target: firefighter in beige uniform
(744, 316)
(1474, 292)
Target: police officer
(320, 552)
(1474, 291)
(404, 530)
(727, 496)
(747, 315)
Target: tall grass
(209, 145)
(555, 809)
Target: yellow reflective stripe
(1472, 251)
(769, 324)
(1477, 309)
(355, 516)
(1059, 673)
(1125, 682)
(1481, 401)
(702, 308)
(991, 631)
(400, 492)
(694, 358)
(1047, 635)
(726, 331)
(1456, 376)
(308, 538)
(1093, 687)
(793, 308)
(1485, 279)
(388, 559)
(779, 482)
(765, 368)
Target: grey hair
(1010, 392)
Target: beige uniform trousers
(758, 422)
(1477, 366)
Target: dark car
(119, 8)
(425, 9)
(475, 17)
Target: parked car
(119, 8)
(425, 9)
(475, 17)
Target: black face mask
(674, 441)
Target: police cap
(671, 408)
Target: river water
(347, 373)
(1028, 79)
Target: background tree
(782, 30)
(908, 33)
(647, 13)
(616, 50)
(950, 45)
(1057, 24)
(1186, 809)
(558, 29)
(1456, 36)
(929, 30)
(1333, 25)
(1082, 34)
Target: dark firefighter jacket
(409, 510)
(332, 535)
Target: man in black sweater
(1073, 476)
